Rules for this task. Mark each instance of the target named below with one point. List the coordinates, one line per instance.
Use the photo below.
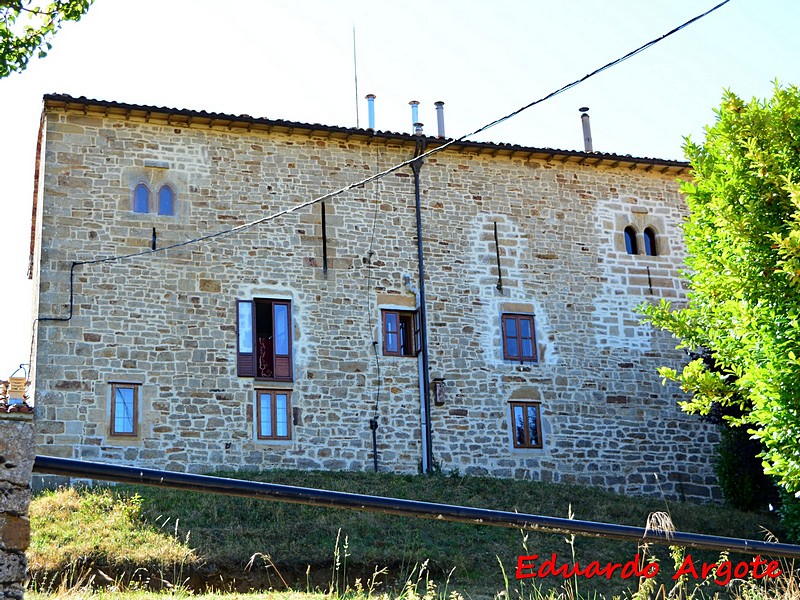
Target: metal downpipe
(427, 456)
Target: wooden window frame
(247, 358)
(527, 443)
(408, 320)
(517, 318)
(135, 410)
(274, 415)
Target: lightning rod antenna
(355, 74)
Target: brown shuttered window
(519, 338)
(401, 331)
(245, 355)
(264, 339)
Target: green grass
(225, 532)
(97, 527)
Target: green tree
(743, 257)
(27, 26)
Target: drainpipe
(425, 388)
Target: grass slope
(225, 532)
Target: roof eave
(179, 117)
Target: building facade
(298, 341)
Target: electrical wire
(408, 162)
(380, 174)
(373, 422)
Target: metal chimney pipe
(587, 130)
(414, 112)
(371, 108)
(417, 128)
(440, 117)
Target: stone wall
(16, 464)
(167, 322)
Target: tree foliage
(27, 26)
(743, 245)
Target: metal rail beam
(396, 506)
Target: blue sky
(288, 59)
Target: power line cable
(408, 162)
(380, 174)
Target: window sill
(526, 450)
(266, 442)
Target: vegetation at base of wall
(74, 529)
(294, 545)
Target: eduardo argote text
(722, 572)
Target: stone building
(289, 342)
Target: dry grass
(110, 534)
(73, 528)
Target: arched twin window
(630, 240)
(141, 199)
(650, 242)
(166, 199)
(631, 243)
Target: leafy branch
(28, 26)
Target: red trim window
(124, 409)
(401, 332)
(519, 338)
(273, 415)
(264, 339)
(526, 422)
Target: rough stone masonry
(245, 352)
(16, 464)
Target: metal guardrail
(396, 506)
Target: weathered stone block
(11, 591)
(12, 567)
(15, 532)
(14, 498)
(16, 451)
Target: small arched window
(650, 242)
(630, 240)
(141, 198)
(166, 201)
